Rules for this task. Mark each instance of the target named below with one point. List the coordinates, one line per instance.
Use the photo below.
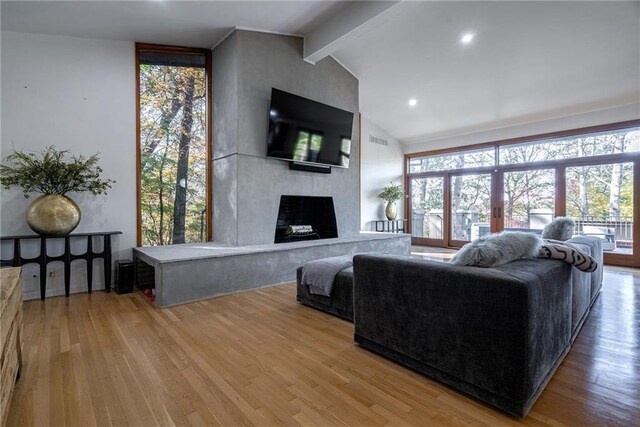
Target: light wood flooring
(259, 358)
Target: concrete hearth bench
(497, 334)
(190, 272)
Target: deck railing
(622, 227)
(432, 225)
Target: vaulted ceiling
(186, 23)
(528, 61)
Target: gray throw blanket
(320, 274)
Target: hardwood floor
(260, 358)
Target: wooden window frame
(560, 166)
(523, 139)
(145, 47)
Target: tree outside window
(173, 148)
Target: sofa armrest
(596, 251)
(498, 329)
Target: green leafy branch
(391, 193)
(49, 172)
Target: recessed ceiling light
(467, 38)
(413, 102)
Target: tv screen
(306, 131)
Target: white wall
(380, 166)
(76, 94)
(613, 115)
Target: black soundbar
(309, 168)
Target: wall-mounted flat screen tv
(306, 131)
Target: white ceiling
(530, 61)
(185, 23)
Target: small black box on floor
(125, 276)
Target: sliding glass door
(590, 175)
(528, 199)
(470, 207)
(427, 210)
(450, 209)
(600, 201)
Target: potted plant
(390, 194)
(49, 172)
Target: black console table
(390, 225)
(67, 257)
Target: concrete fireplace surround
(196, 271)
(247, 186)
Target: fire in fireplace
(305, 218)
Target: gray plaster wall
(225, 199)
(247, 185)
(225, 139)
(224, 59)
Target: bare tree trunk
(165, 122)
(161, 200)
(457, 219)
(616, 183)
(508, 201)
(527, 195)
(583, 176)
(182, 175)
(457, 186)
(423, 199)
(459, 226)
(614, 192)
(168, 114)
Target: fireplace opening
(305, 218)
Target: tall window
(174, 140)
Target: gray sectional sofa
(497, 334)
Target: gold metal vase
(391, 211)
(53, 215)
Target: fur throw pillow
(497, 249)
(560, 228)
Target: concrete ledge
(192, 272)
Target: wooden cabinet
(10, 335)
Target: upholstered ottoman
(340, 303)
